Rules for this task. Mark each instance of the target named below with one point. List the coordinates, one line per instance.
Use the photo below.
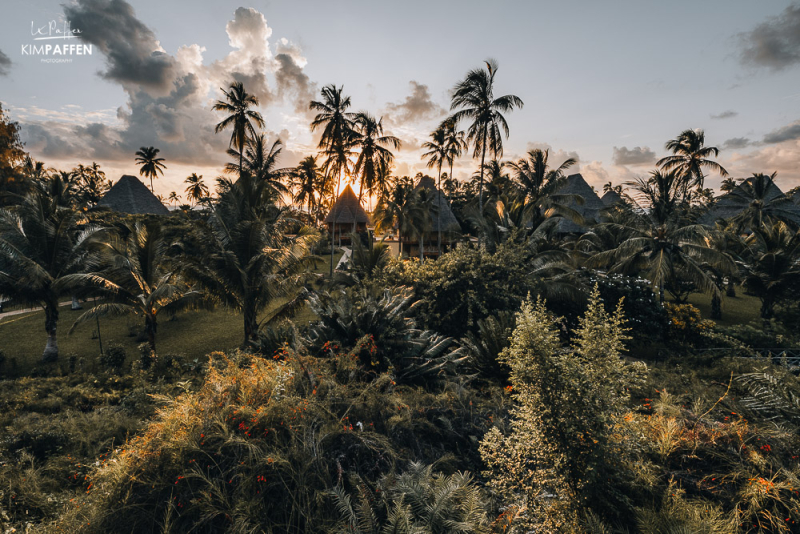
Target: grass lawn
(190, 334)
(741, 309)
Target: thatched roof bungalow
(130, 195)
(346, 216)
(589, 210)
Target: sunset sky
(606, 82)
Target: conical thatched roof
(611, 198)
(726, 206)
(130, 195)
(347, 209)
(589, 210)
(448, 221)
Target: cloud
(786, 133)
(736, 142)
(780, 157)
(416, 107)
(775, 43)
(5, 64)
(633, 156)
(168, 96)
(133, 54)
(729, 114)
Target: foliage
(686, 325)
(381, 331)
(555, 462)
(464, 286)
(113, 357)
(484, 346)
(416, 501)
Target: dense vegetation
(528, 379)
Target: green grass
(741, 309)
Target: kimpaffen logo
(55, 52)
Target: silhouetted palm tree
(151, 165)
(454, 142)
(690, 157)
(196, 190)
(375, 155)
(474, 99)
(337, 137)
(305, 180)
(259, 162)
(437, 154)
(240, 117)
(772, 268)
(173, 198)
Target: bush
(465, 285)
(114, 357)
(686, 324)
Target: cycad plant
(417, 501)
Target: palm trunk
(480, 186)
(333, 222)
(50, 323)
(421, 248)
(439, 210)
(716, 307)
(150, 328)
(731, 289)
(250, 322)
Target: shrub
(557, 462)
(465, 285)
(686, 324)
(114, 357)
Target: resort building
(346, 216)
(130, 195)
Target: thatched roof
(347, 209)
(449, 223)
(589, 210)
(611, 198)
(130, 195)
(726, 206)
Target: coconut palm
(259, 162)
(437, 155)
(250, 262)
(540, 185)
(151, 164)
(757, 207)
(240, 117)
(91, 183)
(728, 184)
(400, 210)
(41, 241)
(454, 142)
(173, 198)
(772, 268)
(474, 100)
(196, 190)
(336, 141)
(689, 158)
(660, 246)
(305, 180)
(375, 155)
(133, 274)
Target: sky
(607, 83)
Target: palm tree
(454, 142)
(151, 165)
(660, 246)
(772, 269)
(406, 210)
(173, 198)
(437, 154)
(475, 97)
(337, 137)
(259, 162)
(540, 185)
(196, 190)
(728, 184)
(375, 155)
(41, 241)
(757, 205)
(240, 117)
(690, 157)
(134, 275)
(305, 180)
(250, 261)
